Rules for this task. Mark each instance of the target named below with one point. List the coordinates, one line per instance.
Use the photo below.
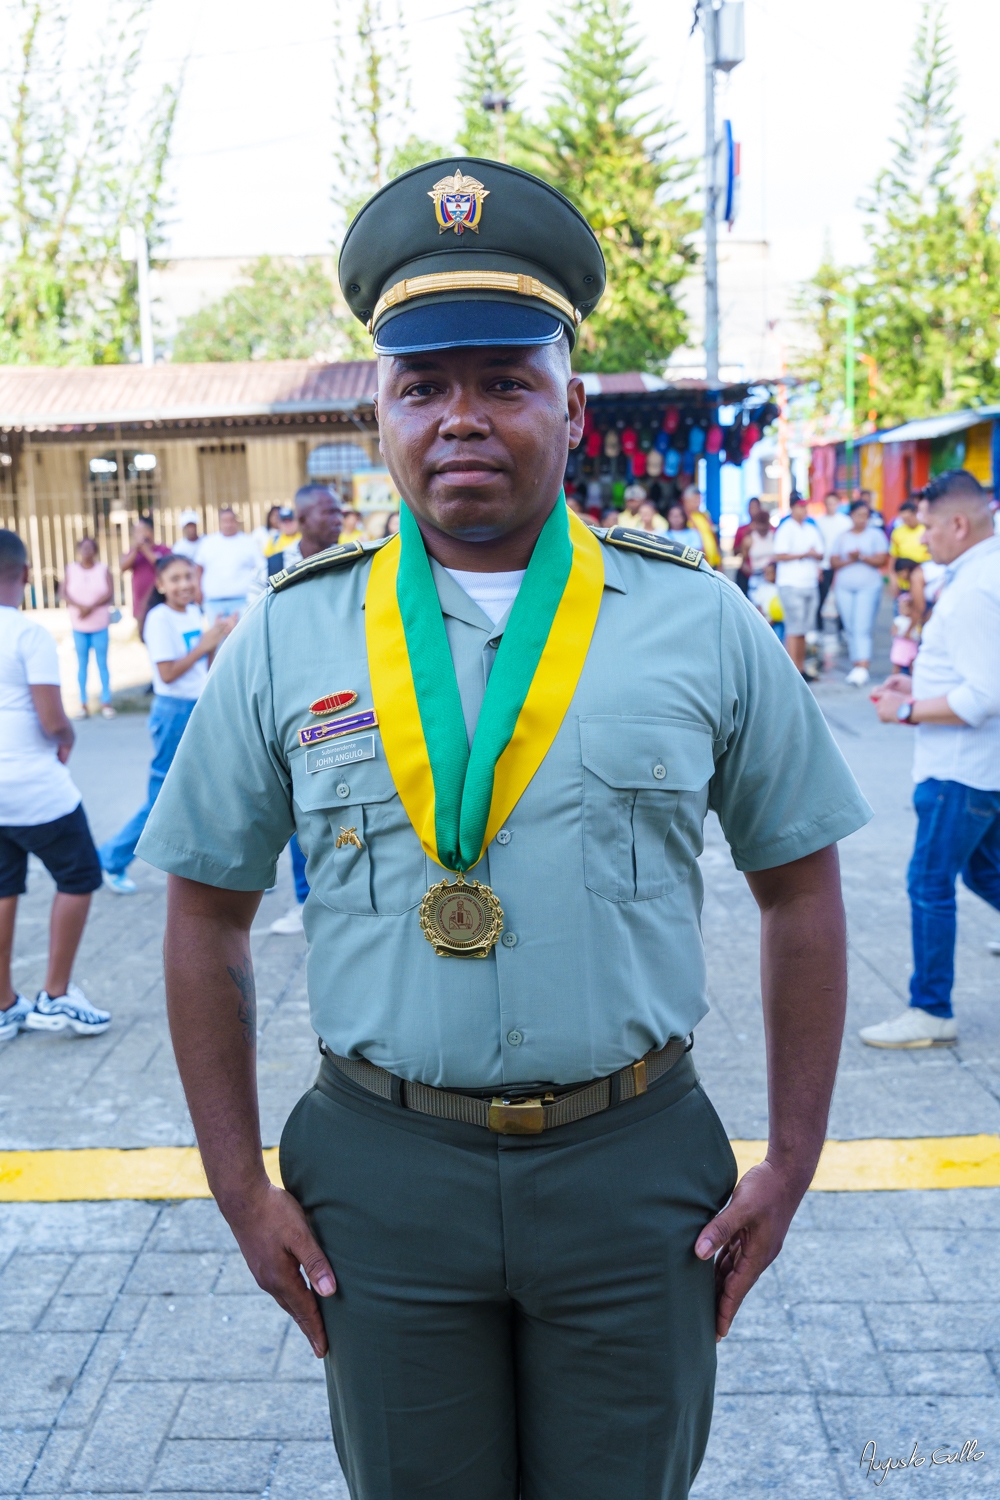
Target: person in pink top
(88, 592)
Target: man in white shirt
(798, 552)
(954, 704)
(831, 525)
(40, 813)
(227, 566)
(186, 544)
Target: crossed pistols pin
(348, 836)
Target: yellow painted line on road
(93, 1175)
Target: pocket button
(343, 790)
(503, 837)
(509, 940)
(515, 1038)
(659, 771)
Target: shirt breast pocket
(363, 855)
(645, 794)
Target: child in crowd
(766, 598)
(905, 634)
(40, 813)
(179, 647)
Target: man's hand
(897, 683)
(47, 699)
(747, 1235)
(275, 1239)
(803, 981)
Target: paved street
(138, 1358)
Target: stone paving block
(955, 1208)
(958, 1265)
(939, 1102)
(125, 1314)
(77, 1227)
(297, 1361)
(936, 1325)
(77, 1314)
(308, 1469)
(753, 1366)
(193, 1224)
(180, 1272)
(55, 1461)
(941, 1372)
(92, 1274)
(760, 1318)
(18, 1451)
(121, 1447)
(761, 1447)
(873, 1211)
(838, 1349)
(36, 1373)
(851, 1266)
(253, 1409)
(235, 1278)
(205, 1338)
(27, 1286)
(218, 1465)
(92, 1380)
(897, 1422)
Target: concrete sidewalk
(138, 1358)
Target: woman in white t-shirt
(180, 647)
(858, 557)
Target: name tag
(343, 754)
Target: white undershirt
(493, 592)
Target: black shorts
(64, 847)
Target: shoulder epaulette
(332, 557)
(651, 545)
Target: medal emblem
(461, 919)
(458, 203)
(333, 703)
(315, 734)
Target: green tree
(928, 304)
(282, 310)
(493, 67)
(619, 165)
(75, 165)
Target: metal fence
(51, 541)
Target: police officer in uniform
(512, 1200)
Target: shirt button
(515, 1038)
(503, 837)
(659, 772)
(509, 940)
(343, 790)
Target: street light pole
(133, 247)
(497, 105)
(849, 305)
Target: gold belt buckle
(525, 1117)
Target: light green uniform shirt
(602, 956)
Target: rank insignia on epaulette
(654, 545)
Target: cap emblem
(458, 203)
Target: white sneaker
(55, 1013)
(14, 1018)
(914, 1028)
(122, 884)
(290, 925)
(858, 676)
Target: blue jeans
(298, 870)
(83, 640)
(167, 722)
(958, 832)
(858, 607)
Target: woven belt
(505, 1115)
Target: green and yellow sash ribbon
(457, 797)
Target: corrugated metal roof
(934, 427)
(78, 396)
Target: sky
(814, 106)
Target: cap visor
(462, 325)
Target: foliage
(493, 66)
(928, 304)
(282, 310)
(75, 165)
(619, 165)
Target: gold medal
(461, 919)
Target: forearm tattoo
(243, 979)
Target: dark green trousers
(516, 1316)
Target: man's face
(142, 535)
(798, 512)
(321, 521)
(948, 531)
(909, 518)
(476, 439)
(191, 531)
(754, 509)
(691, 500)
(289, 525)
(831, 502)
(227, 523)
